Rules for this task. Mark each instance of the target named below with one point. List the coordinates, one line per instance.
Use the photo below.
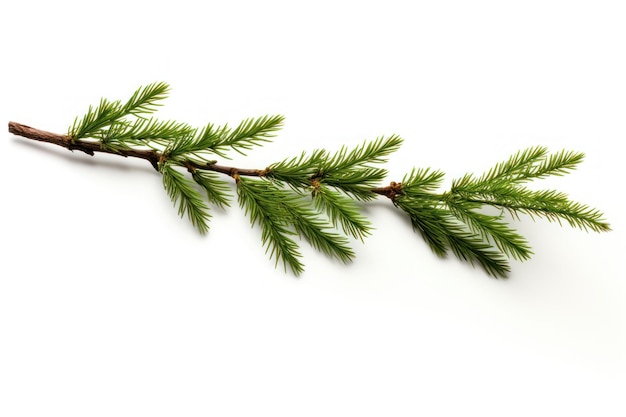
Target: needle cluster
(319, 196)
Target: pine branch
(319, 196)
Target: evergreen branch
(276, 200)
(189, 201)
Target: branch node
(190, 167)
(391, 191)
(315, 181)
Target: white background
(111, 305)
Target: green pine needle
(298, 172)
(288, 213)
(310, 226)
(469, 247)
(217, 191)
(421, 180)
(249, 133)
(259, 199)
(342, 211)
(492, 229)
(219, 140)
(123, 134)
(189, 200)
(532, 163)
(370, 152)
(144, 101)
(350, 171)
(443, 231)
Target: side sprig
(456, 220)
